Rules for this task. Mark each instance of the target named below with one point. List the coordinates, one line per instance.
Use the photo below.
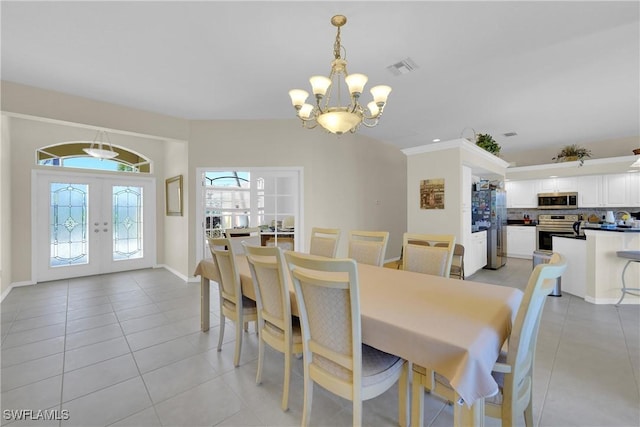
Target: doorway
(91, 224)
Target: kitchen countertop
(520, 223)
(616, 229)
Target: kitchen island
(604, 268)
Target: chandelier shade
(328, 110)
(97, 148)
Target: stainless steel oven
(550, 225)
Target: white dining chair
(233, 304)
(513, 370)
(368, 247)
(334, 356)
(429, 259)
(324, 242)
(276, 327)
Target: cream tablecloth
(455, 327)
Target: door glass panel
(127, 222)
(68, 224)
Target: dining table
(454, 327)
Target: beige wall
(350, 182)
(435, 164)
(599, 150)
(26, 135)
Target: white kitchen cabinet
(609, 191)
(558, 185)
(521, 241)
(634, 190)
(522, 194)
(475, 254)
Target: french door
(92, 224)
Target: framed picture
(174, 196)
(432, 193)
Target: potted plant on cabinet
(571, 153)
(486, 142)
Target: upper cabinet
(522, 194)
(615, 190)
(557, 185)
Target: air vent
(405, 66)
(508, 134)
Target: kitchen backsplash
(518, 214)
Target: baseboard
(14, 285)
(177, 273)
(628, 300)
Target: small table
(632, 256)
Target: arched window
(71, 155)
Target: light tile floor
(125, 350)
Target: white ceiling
(554, 72)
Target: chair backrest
(368, 247)
(224, 256)
(329, 306)
(523, 337)
(324, 241)
(268, 269)
(457, 262)
(239, 235)
(427, 259)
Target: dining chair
(334, 356)
(428, 259)
(233, 305)
(275, 326)
(238, 235)
(457, 262)
(324, 241)
(368, 247)
(513, 370)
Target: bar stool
(632, 256)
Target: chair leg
(221, 331)
(287, 380)
(260, 360)
(236, 357)
(417, 401)
(357, 412)
(308, 397)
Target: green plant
(573, 150)
(486, 141)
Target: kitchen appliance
(557, 200)
(550, 225)
(489, 207)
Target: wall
(174, 247)
(599, 149)
(350, 182)
(26, 135)
(436, 164)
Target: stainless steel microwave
(557, 200)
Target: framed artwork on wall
(173, 196)
(432, 193)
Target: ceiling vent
(508, 134)
(405, 66)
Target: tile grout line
(555, 355)
(629, 352)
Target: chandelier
(97, 149)
(330, 113)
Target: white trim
(15, 285)
(462, 144)
(567, 165)
(626, 301)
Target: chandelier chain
(336, 46)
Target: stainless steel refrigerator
(491, 206)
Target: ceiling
(553, 72)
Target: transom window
(71, 155)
